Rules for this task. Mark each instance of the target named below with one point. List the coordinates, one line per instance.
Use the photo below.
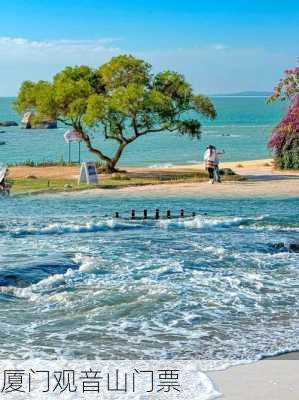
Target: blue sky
(221, 46)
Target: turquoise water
(241, 129)
(76, 283)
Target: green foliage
(122, 100)
(123, 70)
(284, 140)
(203, 105)
(288, 156)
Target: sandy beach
(261, 180)
(274, 379)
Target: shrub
(226, 172)
(284, 141)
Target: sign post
(73, 136)
(88, 173)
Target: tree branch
(85, 137)
(65, 122)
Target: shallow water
(214, 287)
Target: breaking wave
(61, 229)
(221, 285)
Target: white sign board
(3, 172)
(72, 136)
(88, 173)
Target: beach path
(261, 180)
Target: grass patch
(33, 184)
(44, 185)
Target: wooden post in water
(133, 214)
(168, 214)
(182, 213)
(157, 214)
(193, 214)
(144, 214)
(117, 214)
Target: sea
(77, 283)
(241, 129)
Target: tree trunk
(111, 164)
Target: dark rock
(29, 123)
(280, 245)
(294, 247)
(291, 247)
(47, 124)
(26, 120)
(25, 125)
(33, 272)
(8, 123)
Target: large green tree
(121, 100)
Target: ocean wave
(198, 222)
(162, 165)
(201, 222)
(33, 272)
(240, 126)
(274, 227)
(229, 135)
(61, 229)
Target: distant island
(244, 94)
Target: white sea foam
(162, 165)
(192, 382)
(150, 292)
(37, 292)
(203, 222)
(199, 222)
(61, 229)
(274, 227)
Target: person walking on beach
(210, 162)
(216, 167)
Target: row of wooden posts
(157, 215)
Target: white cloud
(24, 59)
(219, 46)
(20, 47)
(213, 68)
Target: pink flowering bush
(284, 141)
